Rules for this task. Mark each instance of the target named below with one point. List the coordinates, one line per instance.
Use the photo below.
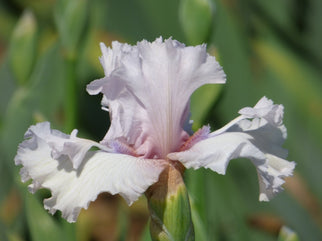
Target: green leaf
(314, 34)
(3, 233)
(298, 80)
(155, 11)
(16, 121)
(39, 100)
(278, 12)
(199, 226)
(7, 87)
(201, 102)
(196, 19)
(230, 39)
(42, 226)
(7, 23)
(146, 234)
(226, 210)
(285, 205)
(5, 174)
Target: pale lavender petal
(271, 176)
(216, 152)
(148, 91)
(62, 144)
(266, 109)
(259, 139)
(73, 189)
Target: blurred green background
(49, 51)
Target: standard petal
(73, 189)
(155, 80)
(259, 139)
(111, 58)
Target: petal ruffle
(153, 82)
(61, 144)
(259, 139)
(266, 109)
(74, 188)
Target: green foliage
(23, 47)
(43, 227)
(50, 52)
(201, 103)
(70, 19)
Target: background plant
(49, 51)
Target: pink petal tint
(146, 90)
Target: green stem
(71, 93)
(169, 207)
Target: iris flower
(146, 90)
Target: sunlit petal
(258, 139)
(153, 83)
(73, 189)
(62, 144)
(266, 109)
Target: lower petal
(216, 152)
(271, 176)
(259, 139)
(73, 189)
(61, 144)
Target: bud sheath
(169, 207)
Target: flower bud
(70, 19)
(196, 19)
(169, 207)
(22, 50)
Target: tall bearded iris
(146, 90)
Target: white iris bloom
(146, 89)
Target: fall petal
(73, 189)
(62, 144)
(258, 139)
(215, 153)
(271, 176)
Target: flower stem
(71, 88)
(169, 207)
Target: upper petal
(73, 189)
(153, 83)
(259, 139)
